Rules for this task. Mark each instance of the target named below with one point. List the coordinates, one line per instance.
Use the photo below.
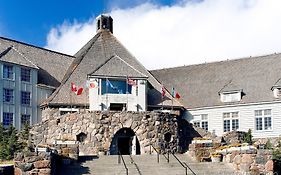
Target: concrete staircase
(146, 165)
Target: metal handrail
(120, 155)
(137, 167)
(167, 158)
(183, 164)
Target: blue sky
(159, 33)
(31, 20)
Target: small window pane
(196, 124)
(226, 115)
(7, 119)
(226, 125)
(267, 112)
(258, 113)
(235, 124)
(8, 72)
(259, 123)
(204, 117)
(235, 115)
(205, 125)
(8, 95)
(25, 74)
(25, 98)
(267, 123)
(25, 119)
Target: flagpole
(173, 92)
(162, 88)
(106, 91)
(71, 99)
(127, 93)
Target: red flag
(131, 82)
(75, 90)
(79, 91)
(73, 87)
(163, 91)
(177, 95)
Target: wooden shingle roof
(52, 65)
(199, 84)
(101, 52)
(11, 55)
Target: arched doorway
(126, 142)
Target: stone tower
(104, 22)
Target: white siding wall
(132, 100)
(17, 85)
(246, 118)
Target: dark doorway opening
(124, 145)
(125, 142)
(117, 106)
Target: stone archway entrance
(126, 142)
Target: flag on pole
(77, 91)
(163, 91)
(132, 82)
(73, 87)
(91, 84)
(175, 94)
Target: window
(263, 119)
(25, 74)
(8, 95)
(201, 121)
(7, 119)
(231, 97)
(8, 72)
(230, 121)
(115, 87)
(25, 119)
(25, 98)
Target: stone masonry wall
(95, 130)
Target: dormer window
(230, 96)
(231, 92)
(277, 92)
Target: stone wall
(95, 130)
(35, 164)
(251, 163)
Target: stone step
(147, 164)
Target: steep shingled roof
(117, 67)
(11, 55)
(97, 52)
(52, 65)
(199, 84)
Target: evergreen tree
(248, 137)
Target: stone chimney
(104, 22)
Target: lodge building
(219, 97)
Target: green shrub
(248, 138)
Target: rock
(45, 171)
(237, 159)
(269, 165)
(42, 164)
(247, 158)
(245, 167)
(17, 171)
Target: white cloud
(186, 33)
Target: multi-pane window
(25, 119)
(201, 121)
(8, 72)
(230, 121)
(263, 119)
(25, 74)
(8, 95)
(25, 98)
(7, 119)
